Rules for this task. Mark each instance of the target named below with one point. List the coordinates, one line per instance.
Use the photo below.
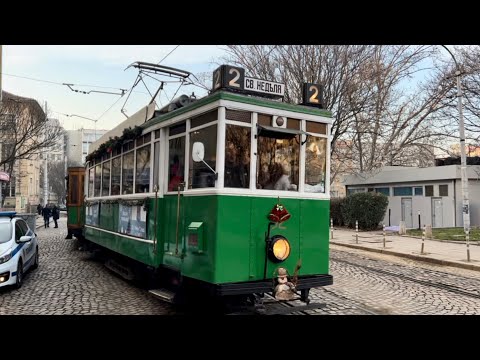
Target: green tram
(227, 194)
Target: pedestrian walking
(55, 214)
(46, 216)
(39, 209)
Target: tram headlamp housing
(278, 248)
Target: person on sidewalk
(46, 216)
(39, 209)
(55, 215)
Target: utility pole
(45, 172)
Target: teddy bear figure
(284, 289)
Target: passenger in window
(236, 169)
(279, 179)
(176, 176)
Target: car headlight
(279, 248)
(4, 258)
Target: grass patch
(448, 234)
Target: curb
(413, 257)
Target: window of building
(428, 190)
(127, 173)
(237, 156)
(402, 191)
(142, 174)
(316, 163)
(418, 191)
(383, 190)
(443, 190)
(355, 190)
(200, 175)
(116, 174)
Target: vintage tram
(225, 195)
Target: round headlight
(279, 248)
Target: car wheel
(18, 283)
(35, 264)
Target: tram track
(439, 285)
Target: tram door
(75, 198)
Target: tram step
(163, 294)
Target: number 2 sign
(312, 95)
(227, 76)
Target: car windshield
(5, 232)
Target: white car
(18, 249)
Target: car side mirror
(25, 239)
(198, 151)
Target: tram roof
(225, 95)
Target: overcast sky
(99, 65)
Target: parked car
(18, 249)
(62, 207)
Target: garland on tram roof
(116, 142)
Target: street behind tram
(74, 282)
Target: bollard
(331, 229)
(356, 231)
(423, 240)
(383, 235)
(467, 240)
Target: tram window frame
(131, 188)
(117, 187)
(97, 184)
(91, 178)
(234, 166)
(147, 163)
(170, 181)
(321, 126)
(107, 188)
(200, 170)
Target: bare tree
(377, 119)
(56, 179)
(25, 130)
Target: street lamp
(466, 207)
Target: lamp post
(466, 207)
(83, 117)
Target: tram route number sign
(313, 95)
(233, 78)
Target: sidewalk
(435, 251)
(39, 223)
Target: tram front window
(201, 175)
(315, 159)
(278, 163)
(237, 156)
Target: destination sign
(233, 78)
(263, 86)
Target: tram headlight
(279, 248)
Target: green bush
(336, 211)
(368, 208)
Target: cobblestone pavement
(71, 282)
(366, 283)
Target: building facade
(78, 144)
(422, 196)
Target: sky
(103, 66)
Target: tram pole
(331, 228)
(356, 231)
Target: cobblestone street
(71, 282)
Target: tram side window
(106, 178)
(116, 170)
(156, 163)
(142, 173)
(73, 190)
(98, 179)
(176, 162)
(315, 164)
(91, 176)
(237, 156)
(200, 175)
(127, 173)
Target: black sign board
(233, 78)
(313, 95)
